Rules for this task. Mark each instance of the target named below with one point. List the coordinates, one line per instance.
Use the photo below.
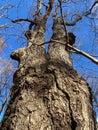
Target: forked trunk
(48, 94)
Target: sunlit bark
(48, 94)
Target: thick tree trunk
(48, 94)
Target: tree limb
(39, 7)
(78, 51)
(32, 22)
(44, 5)
(23, 19)
(79, 17)
(64, 23)
(48, 11)
(45, 17)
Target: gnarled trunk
(48, 94)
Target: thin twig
(5, 101)
(44, 19)
(79, 17)
(4, 26)
(62, 16)
(39, 7)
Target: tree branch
(44, 5)
(76, 50)
(79, 17)
(64, 23)
(23, 19)
(4, 26)
(48, 11)
(45, 17)
(27, 20)
(84, 54)
(39, 7)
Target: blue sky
(86, 38)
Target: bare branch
(27, 20)
(79, 17)
(23, 19)
(39, 6)
(64, 23)
(44, 4)
(5, 101)
(84, 54)
(5, 6)
(94, 55)
(49, 8)
(2, 15)
(48, 11)
(75, 49)
(4, 26)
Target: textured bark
(47, 93)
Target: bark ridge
(47, 93)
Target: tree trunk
(47, 93)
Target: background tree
(5, 63)
(53, 68)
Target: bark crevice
(48, 94)
(73, 122)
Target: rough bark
(47, 93)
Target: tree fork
(47, 93)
